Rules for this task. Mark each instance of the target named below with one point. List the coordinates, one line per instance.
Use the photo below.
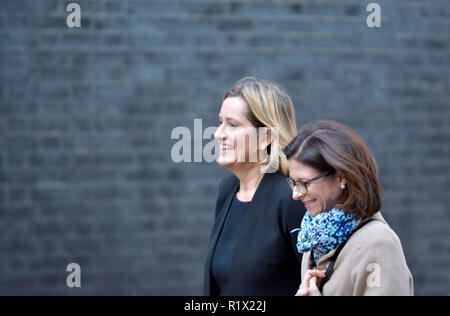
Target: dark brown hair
(328, 145)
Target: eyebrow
(230, 118)
(298, 180)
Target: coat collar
(322, 263)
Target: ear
(341, 182)
(264, 138)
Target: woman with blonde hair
(252, 250)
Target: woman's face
(322, 194)
(233, 132)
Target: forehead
(233, 107)
(300, 171)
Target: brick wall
(86, 116)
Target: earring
(343, 186)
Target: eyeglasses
(302, 187)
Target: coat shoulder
(374, 239)
(289, 211)
(227, 183)
(377, 232)
(225, 189)
(280, 187)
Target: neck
(249, 177)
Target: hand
(309, 286)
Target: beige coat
(371, 263)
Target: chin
(225, 162)
(313, 213)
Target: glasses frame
(302, 187)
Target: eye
(232, 124)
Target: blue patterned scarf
(325, 231)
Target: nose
(220, 133)
(296, 194)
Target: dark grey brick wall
(86, 117)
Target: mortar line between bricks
(226, 50)
(243, 33)
(100, 16)
(332, 2)
(340, 3)
(304, 2)
(417, 84)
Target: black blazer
(266, 261)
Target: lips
(226, 147)
(308, 204)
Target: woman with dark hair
(348, 247)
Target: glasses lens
(301, 187)
(291, 183)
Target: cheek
(332, 196)
(327, 197)
(241, 143)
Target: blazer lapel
(217, 230)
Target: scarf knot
(324, 232)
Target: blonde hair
(269, 106)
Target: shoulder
(375, 253)
(276, 191)
(375, 239)
(226, 187)
(378, 232)
(278, 186)
(274, 182)
(289, 211)
(227, 183)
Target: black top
(221, 262)
(265, 260)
